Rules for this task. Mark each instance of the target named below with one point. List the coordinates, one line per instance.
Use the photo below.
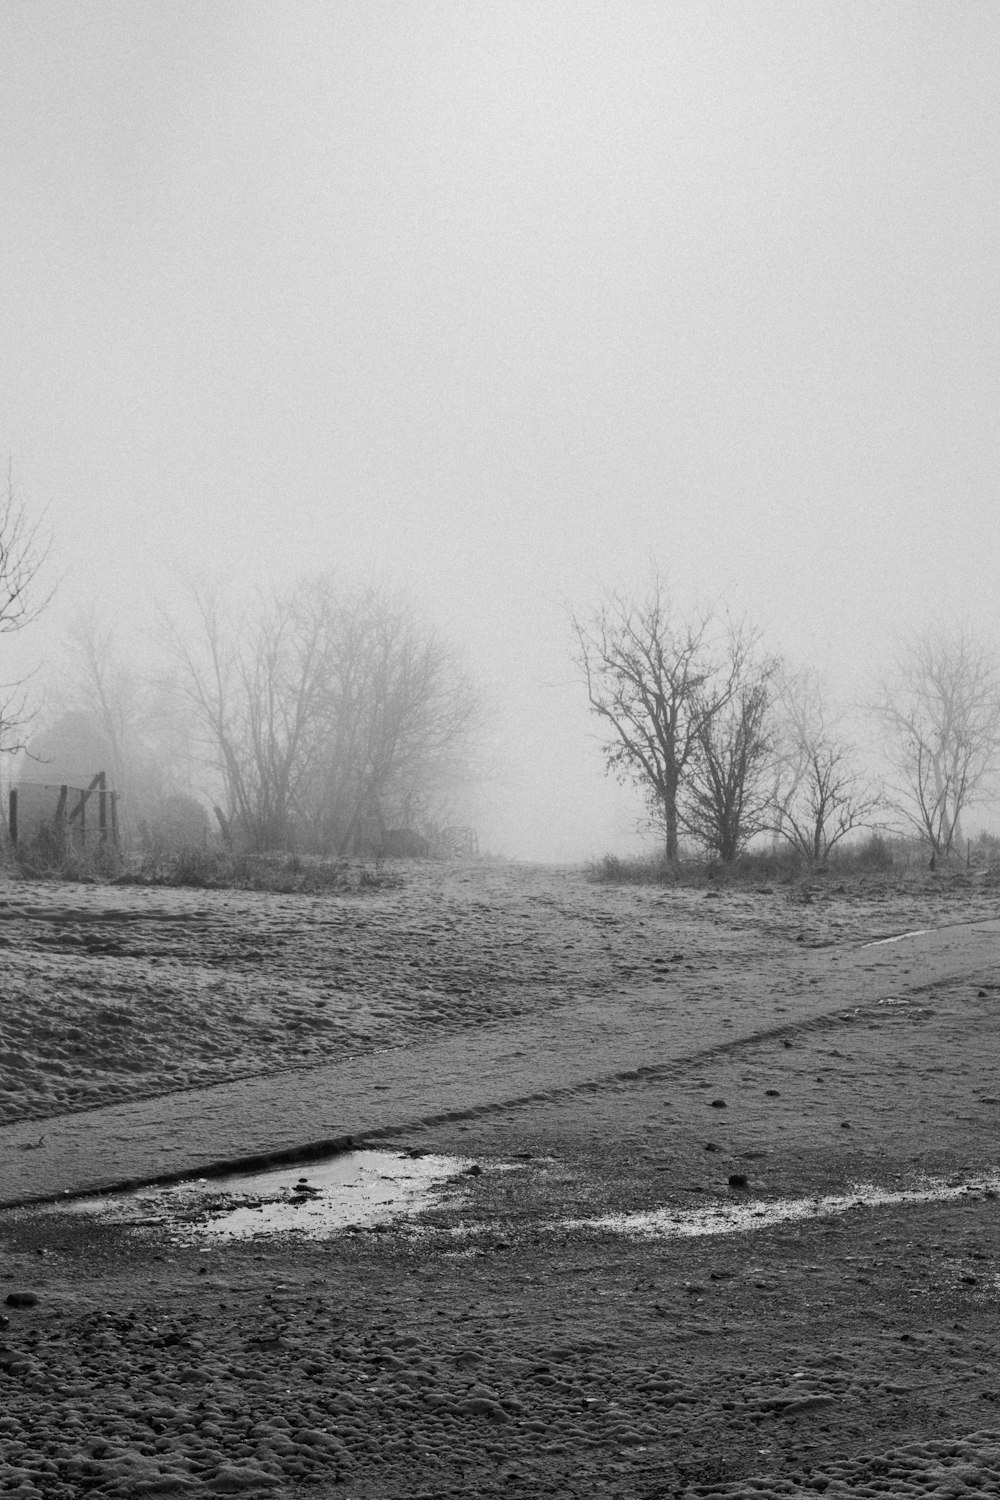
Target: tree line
(321, 717)
(727, 742)
(317, 719)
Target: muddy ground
(496, 1344)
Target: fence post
(59, 821)
(102, 808)
(12, 815)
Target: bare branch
(24, 550)
(818, 796)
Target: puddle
(898, 938)
(367, 1189)
(741, 1218)
(314, 1199)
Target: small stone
(737, 1180)
(772, 1093)
(719, 1104)
(474, 1171)
(21, 1299)
(711, 1146)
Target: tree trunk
(670, 819)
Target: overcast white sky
(501, 299)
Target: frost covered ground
(506, 1341)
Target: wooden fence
(70, 819)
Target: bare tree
(727, 801)
(940, 715)
(396, 713)
(322, 711)
(657, 681)
(818, 795)
(24, 550)
(252, 679)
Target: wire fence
(68, 814)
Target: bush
(282, 874)
(643, 869)
(783, 864)
(874, 856)
(986, 851)
(172, 824)
(50, 855)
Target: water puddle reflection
(897, 938)
(372, 1190)
(357, 1189)
(739, 1218)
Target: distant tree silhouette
(661, 684)
(728, 795)
(818, 795)
(328, 712)
(939, 710)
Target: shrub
(172, 824)
(50, 855)
(643, 869)
(283, 874)
(873, 856)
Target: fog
(502, 302)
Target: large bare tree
(939, 710)
(658, 681)
(324, 710)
